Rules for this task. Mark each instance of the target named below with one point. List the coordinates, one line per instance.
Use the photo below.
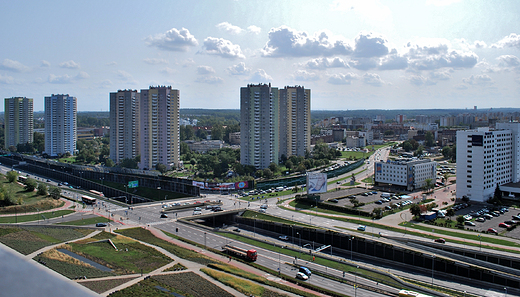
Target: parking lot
(491, 221)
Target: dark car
(283, 237)
(440, 240)
(101, 224)
(236, 230)
(163, 215)
(334, 200)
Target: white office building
(60, 125)
(487, 158)
(407, 173)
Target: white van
(385, 195)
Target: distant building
(60, 124)
(295, 121)
(234, 138)
(124, 125)
(159, 127)
(18, 120)
(259, 125)
(487, 158)
(204, 146)
(410, 174)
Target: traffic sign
(133, 184)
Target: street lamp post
(292, 234)
(279, 261)
(355, 280)
(506, 291)
(204, 240)
(351, 240)
(433, 265)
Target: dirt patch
(59, 256)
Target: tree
(377, 212)
(12, 176)
(446, 152)
(450, 212)
(30, 185)
(419, 151)
(460, 220)
(161, 168)
(415, 210)
(109, 163)
(268, 174)
(429, 139)
(428, 184)
(55, 192)
(130, 163)
(445, 177)
(42, 189)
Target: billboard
(316, 183)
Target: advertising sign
(316, 183)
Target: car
(210, 206)
(263, 206)
(469, 223)
(307, 246)
(48, 180)
(388, 207)
(236, 230)
(504, 225)
(511, 222)
(362, 227)
(481, 219)
(218, 208)
(101, 224)
(334, 200)
(262, 210)
(338, 182)
(378, 202)
(197, 212)
(163, 215)
(302, 276)
(488, 216)
(283, 237)
(491, 230)
(198, 209)
(440, 240)
(516, 217)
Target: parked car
(236, 230)
(491, 230)
(511, 222)
(334, 200)
(504, 225)
(469, 223)
(480, 219)
(163, 215)
(261, 210)
(101, 224)
(440, 240)
(283, 237)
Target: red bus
(97, 193)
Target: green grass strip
(89, 221)
(34, 217)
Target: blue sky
(369, 54)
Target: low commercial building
(411, 174)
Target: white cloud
(205, 70)
(440, 75)
(369, 44)
(45, 63)
(82, 75)
(324, 63)
(239, 69)
(188, 62)
(167, 71)
(69, 64)
(287, 42)
(513, 40)
(419, 80)
(173, 40)
(342, 79)
(479, 44)
(508, 61)
(210, 80)
(393, 62)
(261, 76)
(14, 66)
(254, 29)
(435, 53)
(363, 63)
(155, 61)
(225, 26)
(4, 79)
(304, 75)
(113, 63)
(222, 47)
(106, 83)
(372, 79)
(125, 76)
(480, 80)
(60, 79)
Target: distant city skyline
(371, 54)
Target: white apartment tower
(124, 125)
(295, 121)
(18, 113)
(487, 158)
(60, 124)
(159, 127)
(259, 125)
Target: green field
(30, 239)
(89, 221)
(34, 217)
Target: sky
(369, 54)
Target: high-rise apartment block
(159, 127)
(259, 125)
(487, 158)
(273, 123)
(18, 113)
(124, 125)
(60, 124)
(295, 118)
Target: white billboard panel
(316, 183)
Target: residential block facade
(295, 119)
(60, 124)
(407, 173)
(124, 125)
(18, 119)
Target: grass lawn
(130, 256)
(30, 201)
(30, 239)
(89, 221)
(34, 217)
